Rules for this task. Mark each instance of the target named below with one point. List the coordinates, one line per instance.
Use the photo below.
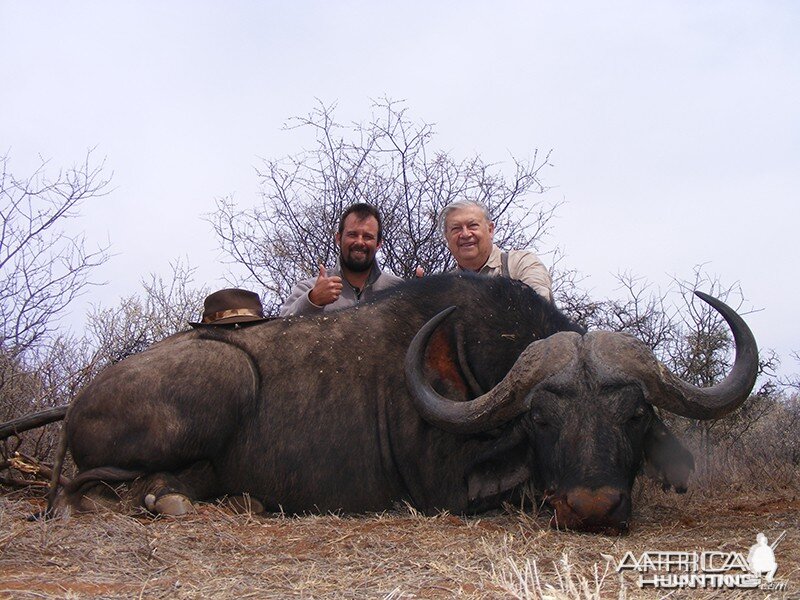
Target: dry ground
(218, 554)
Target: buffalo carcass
(396, 400)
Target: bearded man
(357, 275)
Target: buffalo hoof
(173, 505)
(244, 504)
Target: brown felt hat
(231, 306)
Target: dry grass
(217, 554)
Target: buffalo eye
(539, 420)
(638, 414)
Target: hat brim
(232, 321)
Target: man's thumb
(322, 271)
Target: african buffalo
(404, 398)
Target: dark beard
(356, 266)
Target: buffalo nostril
(595, 505)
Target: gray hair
(459, 204)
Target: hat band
(234, 312)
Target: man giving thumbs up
(356, 276)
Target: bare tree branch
(386, 161)
(42, 268)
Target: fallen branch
(33, 421)
(22, 483)
(27, 464)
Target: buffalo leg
(173, 493)
(161, 493)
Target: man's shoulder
(386, 279)
(523, 256)
(389, 276)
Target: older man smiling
(469, 231)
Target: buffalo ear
(490, 481)
(442, 366)
(497, 474)
(667, 461)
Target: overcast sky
(674, 125)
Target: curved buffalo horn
(499, 405)
(682, 398)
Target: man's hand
(326, 289)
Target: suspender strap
(504, 264)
